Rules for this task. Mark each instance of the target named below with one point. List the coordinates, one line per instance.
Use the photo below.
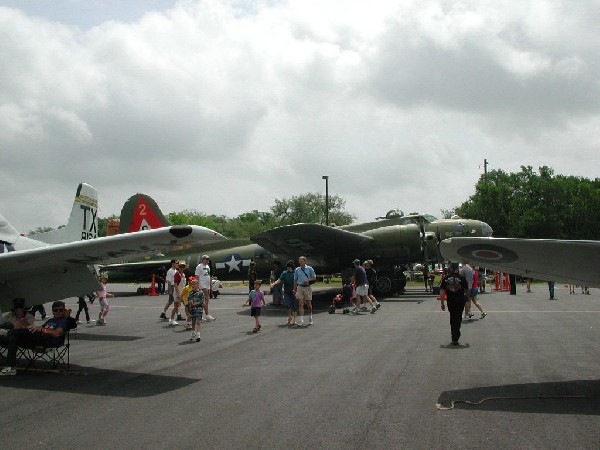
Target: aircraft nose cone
(486, 230)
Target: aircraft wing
(317, 242)
(564, 261)
(59, 271)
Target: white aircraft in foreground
(564, 261)
(58, 264)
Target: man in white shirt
(203, 274)
(170, 278)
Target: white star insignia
(233, 264)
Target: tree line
(525, 204)
(534, 205)
(306, 208)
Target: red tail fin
(140, 212)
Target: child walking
(256, 300)
(195, 302)
(184, 299)
(104, 306)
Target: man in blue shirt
(289, 299)
(304, 276)
(50, 334)
(361, 285)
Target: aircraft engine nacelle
(398, 242)
(432, 249)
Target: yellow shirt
(184, 294)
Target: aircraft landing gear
(384, 285)
(388, 284)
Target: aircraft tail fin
(83, 221)
(140, 212)
(8, 235)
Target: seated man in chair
(50, 334)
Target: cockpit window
(460, 229)
(429, 218)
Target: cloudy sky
(223, 106)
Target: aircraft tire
(383, 286)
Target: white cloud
(222, 106)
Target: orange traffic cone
(506, 286)
(496, 282)
(153, 292)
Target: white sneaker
(193, 336)
(209, 318)
(173, 322)
(79, 322)
(300, 324)
(91, 321)
(8, 371)
(310, 321)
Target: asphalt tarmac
(525, 377)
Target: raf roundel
(487, 253)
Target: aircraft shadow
(103, 337)
(580, 397)
(101, 382)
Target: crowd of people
(290, 287)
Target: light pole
(326, 178)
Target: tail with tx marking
(140, 212)
(83, 222)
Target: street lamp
(326, 178)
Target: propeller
(424, 252)
(438, 241)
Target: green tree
(194, 217)
(536, 205)
(250, 223)
(103, 224)
(39, 230)
(242, 226)
(447, 213)
(310, 208)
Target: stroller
(343, 300)
(215, 285)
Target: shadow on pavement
(103, 337)
(565, 397)
(101, 382)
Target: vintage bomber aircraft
(564, 261)
(61, 259)
(391, 242)
(230, 259)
